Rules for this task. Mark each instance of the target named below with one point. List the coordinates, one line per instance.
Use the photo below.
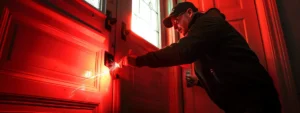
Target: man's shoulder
(214, 12)
(210, 16)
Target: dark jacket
(223, 61)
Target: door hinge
(109, 21)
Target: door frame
(276, 53)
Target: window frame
(102, 5)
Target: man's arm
(202, 37)
(175, 54)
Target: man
(226, 67)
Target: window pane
(145, 20)
(145, 1)
(154, 21)
(95, 3)
(145, 12)
(153, 38)
(140, 27)
(154, 5)
(135, 6)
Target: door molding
(30, 100)
(276, 54)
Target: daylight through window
(145, 20)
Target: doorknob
(108, 59)
(111, 64)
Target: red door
(241, 14)
(52, 57)
(138, 90)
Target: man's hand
(191, 81)
(129, 61)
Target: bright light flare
(82, 87)
(117, 65)
(114, 66)
(89, 75)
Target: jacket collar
(213, 12)
(194, 18)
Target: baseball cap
(177, 10)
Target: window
(145, 20)
(98, 4)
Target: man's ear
(190, 12)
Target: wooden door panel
(84, 12)
(51, 62)
(31, 50)
(242, 15)
(229, 4)
(25, 103)
(142, 89)
(202, 5)
(37, 109)
(37, 50)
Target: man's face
(182, 21)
